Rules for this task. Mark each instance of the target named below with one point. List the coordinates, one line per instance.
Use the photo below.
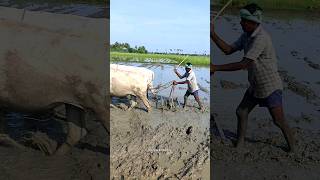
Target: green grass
(275, 4)
(159, 58)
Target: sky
(160, 25)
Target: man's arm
(178, 74)
(225, 47)
(244, 64)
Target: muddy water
(296, 40)
(164, 74)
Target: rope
(162, 87)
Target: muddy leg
(145, 102)
(197, 98)
(185, 98)
(132, 102)
(243, 110)
(75, 118)
(279, 120)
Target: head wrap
(255, 17)
(189, 65)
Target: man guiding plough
(191, 81)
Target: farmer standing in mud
(261, 63)
(191, 80)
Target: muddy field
(297, 45)
(160, 144)
(168, 142)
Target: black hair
(252, 8)
(188, 63)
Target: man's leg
(186, 99)
(279, 120)
(197, 98)
(243, 110)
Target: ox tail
(150, 87)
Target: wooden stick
(223, 8)
(183, 60)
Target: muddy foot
(63, 149)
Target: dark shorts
(273, 100)
(188, 93)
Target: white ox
(131, 80)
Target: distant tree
(142, 50)
(125, 47)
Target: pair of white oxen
(131, 80)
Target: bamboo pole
(222, 9)
(183, 60)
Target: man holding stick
(191, 81)
(261, 63)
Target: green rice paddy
(160, 58)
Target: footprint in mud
(189, 130)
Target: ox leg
(75, 118)
(145, 101)
(132, 102)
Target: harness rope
(162, 87)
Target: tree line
(125, 47)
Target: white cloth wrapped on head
(188, 65)
(255, 17)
